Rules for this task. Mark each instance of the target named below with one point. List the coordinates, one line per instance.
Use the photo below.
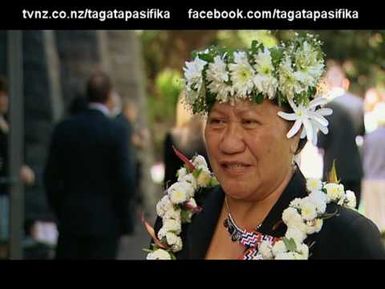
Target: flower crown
(287, 73)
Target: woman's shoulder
(348, 235)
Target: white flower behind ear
(308, 117)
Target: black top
(348, 235)
(340, 145)
(89, 176)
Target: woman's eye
(250, 123)
(216, 121)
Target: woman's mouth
(235, 167)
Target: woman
(263, 207)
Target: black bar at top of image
(190, 16)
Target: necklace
(250, 240)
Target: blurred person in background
(373, 186)
(372, 98)
(137, 140)
(77, 105)
(346, 123)
(89, 178)
(27, 175)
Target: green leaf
(258, 98)
(290, 244)
(196, 173)
(312, 91)
(207, 57)
(184, 216)
(213, 182)
(256, 46)
(276, 55)
(147, 250)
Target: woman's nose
(232, 141)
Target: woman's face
(248, 148)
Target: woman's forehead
(241, 107)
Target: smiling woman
(237, 138)
(263, 208)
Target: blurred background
(47, 71)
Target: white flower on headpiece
(311, 118)
(193, 77)
(289, 84)
(263, 62)
(264, 80)
(242, 75)
(217, 76)
(193, 73)
(309, 66)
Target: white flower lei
(303, 217)
(288, 73)
(178, 206)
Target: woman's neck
(249, 214)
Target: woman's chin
(237, 190)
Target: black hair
(98, 87)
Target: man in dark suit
(89, 178)
(345, 125)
